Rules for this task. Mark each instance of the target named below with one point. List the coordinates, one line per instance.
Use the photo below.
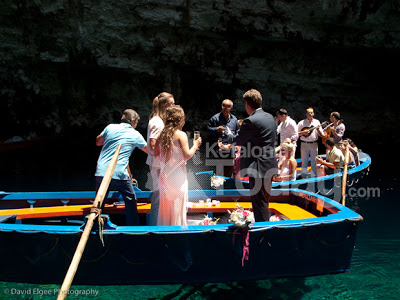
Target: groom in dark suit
(256, 137)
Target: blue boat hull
(177, 258)
(162, 254)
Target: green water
(374, 273)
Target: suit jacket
(257, 137)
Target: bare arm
(145, 150)
(293, 166)
(326, 163)
(301, 131)
(129, 171)
(152, 144)
(157, 148)
(183, 140)
(224, 147)
(304, 132)
(99, 140)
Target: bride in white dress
(173, 148)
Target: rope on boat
(262, 239)
(309, 190)
(97, 211)
(286, 251)
(332, 244)
(83, 260)
(337, 185)
(350, 184)
(52, 249)
(98, 258)
(163, 243)
(325, 191)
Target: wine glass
(31, 202)
(196, 136)
(224, 133)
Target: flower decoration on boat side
(241, 217)
(209, 221)
(276, 217)
(217, 181)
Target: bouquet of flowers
(208, 221)
(217, 181)
(241, 217)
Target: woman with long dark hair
(173, 149)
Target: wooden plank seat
(292, 212)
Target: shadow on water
(288, 288)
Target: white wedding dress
(173, 185)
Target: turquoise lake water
(374, 273)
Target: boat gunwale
(366, 162)
(344, 214)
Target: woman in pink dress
(173, 148)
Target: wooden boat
(40, 231)
(329, 185)
(22, 144)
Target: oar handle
(89, 225)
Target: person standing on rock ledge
(125, 134)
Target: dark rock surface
(71, 67)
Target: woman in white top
(155, 126)
(287, 166)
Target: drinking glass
(196, 135)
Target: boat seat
(292, 212)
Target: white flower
(217, 181)
(208, 221)
(241, 217)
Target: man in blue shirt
(125, 134)
(218, 128)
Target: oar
(88, 228)
(344, 179)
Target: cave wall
(73, 66)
